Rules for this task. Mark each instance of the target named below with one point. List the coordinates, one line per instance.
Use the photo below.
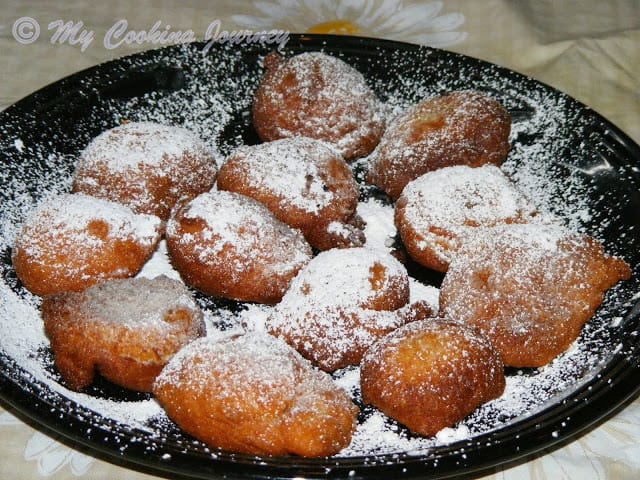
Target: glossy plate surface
(565, 157)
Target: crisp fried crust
(146, 166)
(304, 182)
(228, 245)
(461, 128)
(319, 96)
(439, 209)
(430, 374)
(74, 241)
(340, 304)
(125, 329)
(529, 288)
(254, 394)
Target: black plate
(570, 160)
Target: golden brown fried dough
(304, 182)
(439, 209)
(529, 288)
(71, 242)
(254, 394)
(146, 166)
(430, 374)
(228, 245)
(319, 96)
(127, 330)
(340, 304)
(461, 128)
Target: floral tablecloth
(589, 50)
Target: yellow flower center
(336, 27)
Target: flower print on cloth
(49, 454)
(610, 451)
(52, 456)
(422, 23)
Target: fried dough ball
(146, 166)
(319, 96)
(304, 182)
(340, 304)
(71, 242)
(430, 374)
(125, 329)
(461, 128)
(439, 209)
(228, 245)
(529, 288)
(254, 394)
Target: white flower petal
(349, 9)
(269, 9)
(410, 17)
(439, 39)
(376, 18)
(574, 454)
(251, 21)
(449, 21)
(50, 455)
(80, 463)
(53, 461)
(387, 9)
(617, 431)
(319, 10)
(364, 17)
(8, 419)
(38, 445)
(289, 4)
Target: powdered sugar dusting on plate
(159, 264)
(380, 229)
(212, 99)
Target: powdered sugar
(72, 214)
(340, 304)
(242, 224)
(380, 229)
(23, 337)
(138, 303)
(454, 197)
(550, 138)
(463, 128)
(377, 435)
(334, 103)
(292, 170)
(145, 165)
(159, 264)
(419, 292)
(271, 365)
(134, 144)
(438, 209)
(256, 393)
(345, 278)
(545, 280)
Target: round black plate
(567, 158)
